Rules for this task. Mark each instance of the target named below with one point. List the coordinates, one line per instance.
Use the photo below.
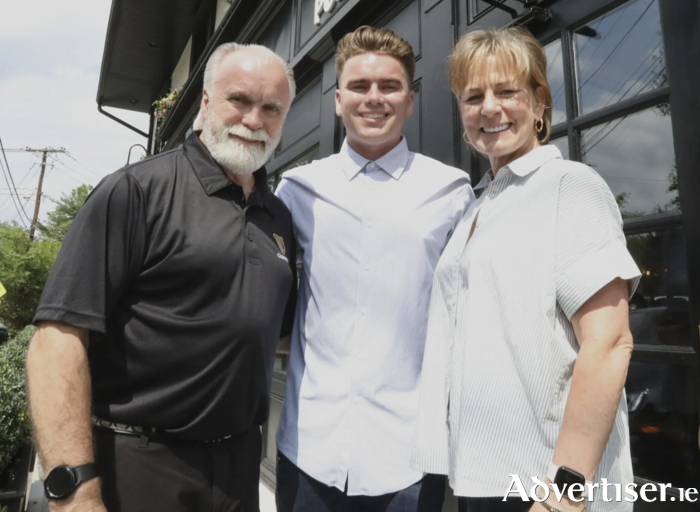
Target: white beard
(233, 155)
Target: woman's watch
(564, 477)
(64, 480)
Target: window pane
(619, 55)
(634, 154)
(563, 144)
(663, 413)
(555, 77)
(659, 309)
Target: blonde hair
(380, 41)
(516, 49)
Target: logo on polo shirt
(280, 243)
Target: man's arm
(58, 378)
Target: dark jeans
(298, 492)
(497, 505)
(144, 475)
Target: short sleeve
(590, 247)
(100, 257)
(284, 192)
(290, 309)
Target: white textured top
(500, 349)
(370, 235)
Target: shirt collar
(527, 163)
(394, 163)
(210, 174)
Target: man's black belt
(136, 430)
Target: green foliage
(24, 268)
(60, 219)
(14, 417)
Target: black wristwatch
(564, 477)
(64, 480)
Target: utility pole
(38, 197)
(37, 203)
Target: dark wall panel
(413, 128)
(440, 126)
(407, 25)
(278, 34)
(304, 116)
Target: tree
(14, 419)
(60, 219)
(24, 268)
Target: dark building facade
(623, 75)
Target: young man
(159, 322)
(371, 223)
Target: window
(618, 121)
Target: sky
(50, 58)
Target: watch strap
(85, 472)
(551, 475)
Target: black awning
(145, 39)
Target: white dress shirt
(500, 349)
(370, 235)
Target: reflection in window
(634, 154)
(660, 308)
(663, 417)
(619, 55)
(555, 77)
(563, 144)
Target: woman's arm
(602, 330)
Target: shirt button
(364, 311)
(369, 223)
(495, 188)
(371, 165)
(250, 237)
(367, 266)
(356, 399)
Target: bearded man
(150, 371)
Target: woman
(528, 338)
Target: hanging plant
(162, 107)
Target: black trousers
(148, 475)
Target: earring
(539, 125)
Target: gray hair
(225, 49)
(213, 66)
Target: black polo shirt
(185, 288)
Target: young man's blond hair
(380, 41)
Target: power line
(44, 153)
(18, 203)
(58, 160)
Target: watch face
(565, 477)
(60, 482)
